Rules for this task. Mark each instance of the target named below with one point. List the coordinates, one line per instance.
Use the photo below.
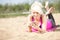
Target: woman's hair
(37, 6)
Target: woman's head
(36, 8)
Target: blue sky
(12, 1)
(15, 1)
(19, 1)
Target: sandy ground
(14, 29)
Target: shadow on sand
(57, 28)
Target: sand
(15, 29)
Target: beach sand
(15, 29)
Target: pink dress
(48, 25)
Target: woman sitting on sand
(37, 20)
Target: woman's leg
(50, 25)
(46, 6)
(50, 16)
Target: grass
(7, 15)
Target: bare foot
(51, 9)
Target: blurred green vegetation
(8, 15)
(55, 4)
(14, 8)
(18, 9)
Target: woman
(37, 20)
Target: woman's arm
(44, 22)
(29, 23)
(30, 18)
